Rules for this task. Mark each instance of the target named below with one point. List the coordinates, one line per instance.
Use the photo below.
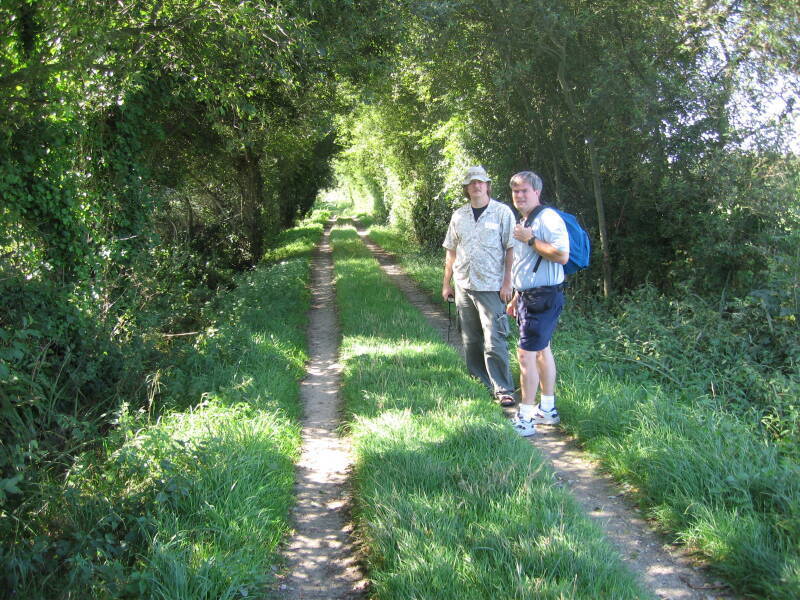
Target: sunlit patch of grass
(704, 475)
(451, 502)
(298, 241)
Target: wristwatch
(531, 241)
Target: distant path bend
(321, 556)
(665, 569)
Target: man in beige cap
(479, 255)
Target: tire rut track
(321, 555)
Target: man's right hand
(511, 307)
(447, 293)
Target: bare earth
(322, 556)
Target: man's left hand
(506, 292)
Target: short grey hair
(529, 177)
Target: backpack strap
(528, 222)
(534, 213)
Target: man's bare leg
(546, 367)
(528, 375)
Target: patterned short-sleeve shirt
(480, 246)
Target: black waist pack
(542, 290)
(540, 299)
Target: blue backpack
(580, 248)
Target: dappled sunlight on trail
(321, 556)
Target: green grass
(299, 240)
(451, 503)
(425, 268)
(191, 503)
(709, 478)
(706, 476)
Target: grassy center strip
(700, 472)
(451, 503)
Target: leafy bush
(431, 215)
(69, 353)
(105, 496)
(59, 371)
(742, 356)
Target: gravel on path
(322, 556)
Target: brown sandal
(506, 399)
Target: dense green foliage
(646, 120)
(688, 407)
(187, 496)
(451, 502)
(149, 153)
(217, 117)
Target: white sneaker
(524, 427)
(546, 417)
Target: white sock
(547, 403)
(526, 411)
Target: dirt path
(666, 570)
(321, 555)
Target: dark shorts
(538, 310)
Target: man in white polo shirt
(478, 258)
(541, 249)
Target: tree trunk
(187, 204)
(601, 217)
(556, 181)
(598, 194)
(251, 184)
